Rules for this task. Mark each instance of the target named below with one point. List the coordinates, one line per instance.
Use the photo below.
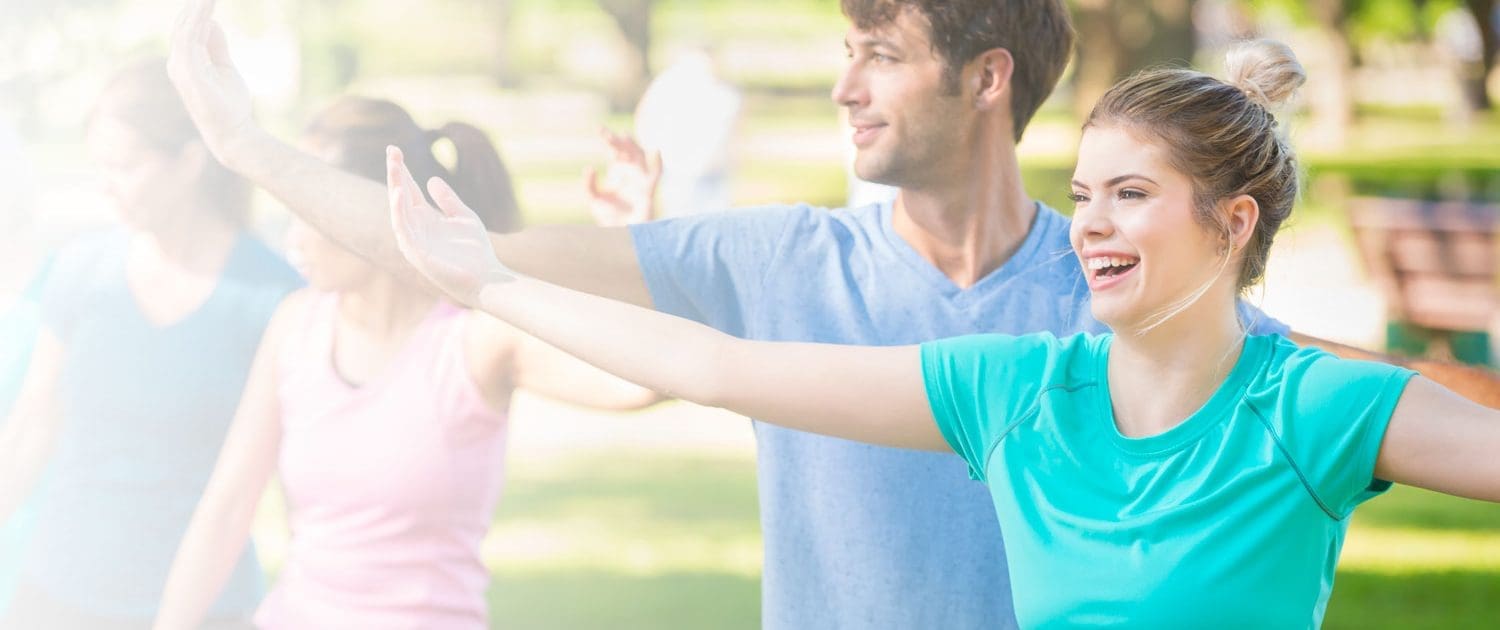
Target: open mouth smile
(1107, 271)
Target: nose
(1092, 220)
(849, 90)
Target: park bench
(1438, 265)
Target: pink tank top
(390, 486)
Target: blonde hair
(1223, 135)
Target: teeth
(1102, 262)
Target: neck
(1160, 377)
(384, 307)
(974, 219)
(195, 243)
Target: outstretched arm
(350, 209)
(221, 523)
(873, 395)
(1477, 384)
(1440, 441)
(30, 434)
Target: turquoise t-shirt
(1233, 518)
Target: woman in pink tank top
(381, 407)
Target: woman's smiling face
(1142, 250)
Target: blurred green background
(649, 520)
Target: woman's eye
(1130, 193)
(1078, 197)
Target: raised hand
(209, 84)
(448, 244)
(628, 194)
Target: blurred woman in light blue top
(147, 334)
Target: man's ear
(989, 78)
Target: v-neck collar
(1036, 234)
(134, 301)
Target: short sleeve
(711, 268)
(70, 277)
(1258, 322)
(978, 385)
(1337, 413)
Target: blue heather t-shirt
(1234, 518)
(145, 411)
(861, 536)
(18, 331)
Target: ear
(1242, 215)
(988, 78)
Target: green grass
(641, 541)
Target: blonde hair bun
(1266, 71)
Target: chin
(1112, 315)
(872, 169)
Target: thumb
(591, 182)
(218, 47)
(447, 200)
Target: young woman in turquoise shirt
(1176, 473)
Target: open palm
(206, 79)
(628, 193)
(447, 244)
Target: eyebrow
(871, 41)
(1113, 181)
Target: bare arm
(30, 433)
(350, 209)
(1477, 384)
(1440, 441)
(873, 395)
(220, 528)
(545, 370)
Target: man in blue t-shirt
(938, 94)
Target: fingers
(396, 178)
(218, 46)
(192, 25)
(653, 167)
(399, 179)
(447, 200)
(591, 182)
(401, 211)
(624, 147)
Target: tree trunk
(1484, 16)
(1333, 106)
(633, 17)
(502, 66)
(1118, 39)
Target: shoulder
(1311, 382)
(89, 252)
(293, 312)
(81, 267)
(255, 265)
(1317, 369)
(1041, 355)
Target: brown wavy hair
(141, 97)
(1038, 34)
(357, 130)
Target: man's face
(908, 123)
